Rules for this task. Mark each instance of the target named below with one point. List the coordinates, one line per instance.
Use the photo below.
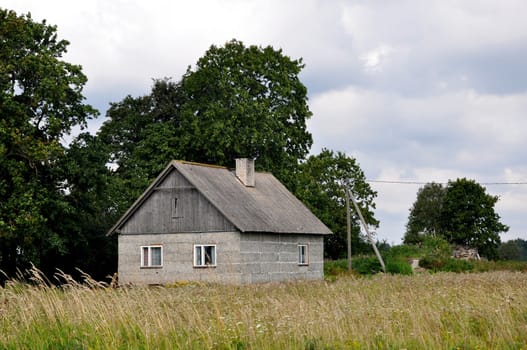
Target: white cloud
(375, 59)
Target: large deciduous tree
(40, 101)
(246, 102)
(320, 185)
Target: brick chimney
(245, 171)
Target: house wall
(178, 254)
(241, 258)
(269, 257)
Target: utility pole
(348, 222)
(370, 238)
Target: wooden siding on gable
(193, 213)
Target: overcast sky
(415, 90)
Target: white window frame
(202, 248)
(148, 263)
(303, 254)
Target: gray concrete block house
(199, 222)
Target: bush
(335, 267)
(366, 265)
(436, 246)
(433, 262)
(447, 264)
(404, 251)
(399, 267)
(456, 265)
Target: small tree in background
(425, 215)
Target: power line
(403, 182)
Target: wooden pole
(348, 223)
(370, 238)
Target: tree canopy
(462, 212)
(246, 102)
(40, 101)
(468, 217)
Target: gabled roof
(266, 207)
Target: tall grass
(439, 311)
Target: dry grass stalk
(440, 311)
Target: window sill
(151, 267)
(204, 266)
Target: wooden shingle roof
(266, 207)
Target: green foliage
(40, 101)
(437, 252)
(463, 213)
(438, 263)
(458, 265)
(401, 267)
(437, 246)
(404, 251)
(246, 102)
(319, 184)
(468, 217)
(335, 267)
(366, 264)
(424, 218)
(89, 194)
(513, 250)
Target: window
(174, 207)
(303, 258)
(204, 255)
(152, 256)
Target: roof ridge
(200, 164)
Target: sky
(417, 91)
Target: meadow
(425, 311)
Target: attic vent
(245, 171)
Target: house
(199, 222)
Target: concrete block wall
(241, 258)
(178, 255)
(274, 257)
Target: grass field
(426, 311)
